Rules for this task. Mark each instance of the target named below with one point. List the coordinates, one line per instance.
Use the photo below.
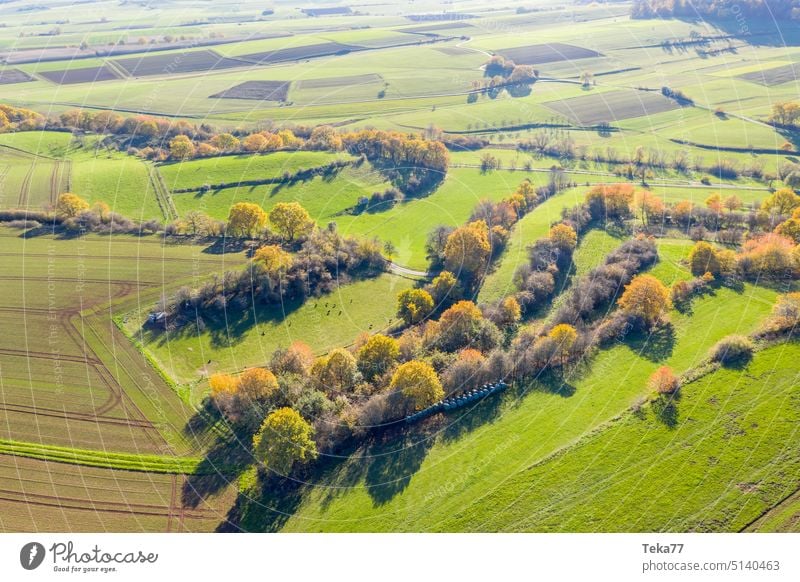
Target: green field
(489, 455)
(105, 424)
(236, 345)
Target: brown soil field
(89, 75)
(299, 53)
(180, 62)
(256, 90)
(537, 54)
(772, 77)
(45, 496)
(11, 76)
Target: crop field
(259, 90)
(612, 107)
(192, 175)
(12, 76)
(326, 199)
(28, 181)
(180, 62)
(537, 54)
(327, 83)
(88, 75)
(772, 77)
(724, 491)
(120, 304)
(298, 53)
(323, 323)
(435, 29)
(39, 496)
(363, 496)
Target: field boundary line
(102, 459)
(161, 192)
(117, 69)
(766, 512)
(27, 153)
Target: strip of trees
(717, 9)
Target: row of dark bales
(459, 401)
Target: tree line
(720, 9)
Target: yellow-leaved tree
(377, 355)
(274, 260)
(284, 440)
(419, 383)
(70, 205)
(246, 219)
(290, 220)
(646, 297)
(467, 249)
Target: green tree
(564, 237)
(703, 259)
(225, 142)
(274, 260)
(284, 439)
(445, 287)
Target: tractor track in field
(113, 257)
(50, 356)
(121, 282)
(78, 416)
(117, 395)
(42, 500)
(61, 170)
(24, 190)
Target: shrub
(734, 348)
(664, 381)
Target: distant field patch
(11, 76)
(610, 107)
(181, 62)
(333, 11)
(453, 51)
(339, 81)
(257, 90)
(537, 54)
(298, 53)
(88, 75)
(776, 76)
(434, 28)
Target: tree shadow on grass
(225, 245)
(266, 507)
(468, 419)
(391, 462)
(665, 409)
(655, 346)
(221, 466)
(225, 328)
